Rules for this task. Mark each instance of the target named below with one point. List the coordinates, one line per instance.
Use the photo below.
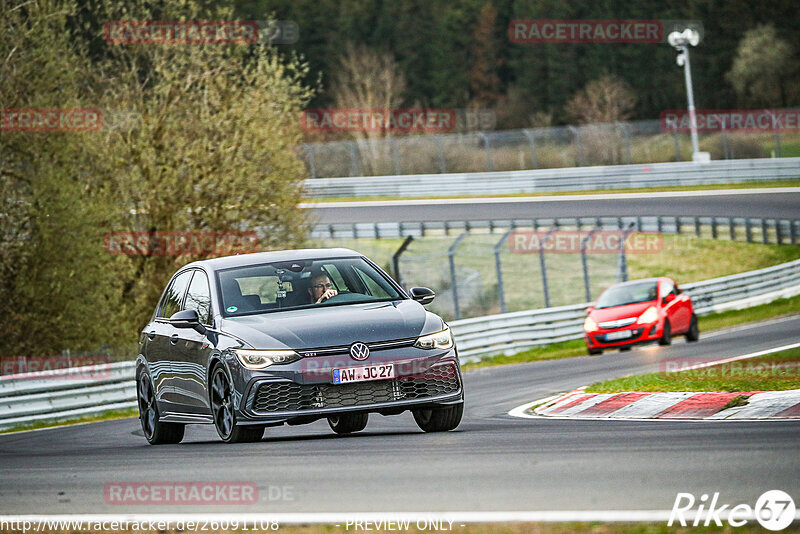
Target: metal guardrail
(750, 229)
(562, 179)
(26, 399)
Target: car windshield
(627, 294)
(302, 284)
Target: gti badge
(359, 351)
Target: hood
(334, 326)
(620, 312)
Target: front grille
(618, 323)
(290, 397)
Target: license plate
(362, 374)
(622, 334)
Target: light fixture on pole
(681, 42)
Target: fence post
(778, 234)
(713, 227)
(697, 230)
(578, 146)
(793, 231)
(586, 283)
(440, 149)
(395, 157)
(355, 162)
(677, 142)
(777, 144)
(396, 259)
(543, 266)
(451, 256)
(622, 268)
(499, 269)
(532, 142)
(678, 225)
(732, 224)
(312, 163)
(487, 146)
(626, 136)
(748, 230)
(726, 147)
(764, 236)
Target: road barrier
(750, 229)
(28, 399)
(562, 179)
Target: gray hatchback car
(255, 340)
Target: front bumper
(640, 334)
(304, 391)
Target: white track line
(553, 198)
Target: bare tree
(607, 99)
(368, 79)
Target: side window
(667, 288)
(174, 295)
(336, 277)
(199, 297)
(372, 286)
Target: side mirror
(186, 319)
(669, 298)
(589, 310)
(423, 295)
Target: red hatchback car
(640, 311)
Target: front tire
(224, 413)
(347, 423)
(594, 352)
(439, 419)
(155, 432)
(666, 335)
(694, 330)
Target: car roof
(257, 258)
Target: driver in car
(321, 288)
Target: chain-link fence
(534, 148)
(482, 269)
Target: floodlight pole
(687, 71)
(681, 42)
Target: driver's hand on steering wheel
(331, 292)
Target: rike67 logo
(774, 510)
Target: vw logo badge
(359, 351)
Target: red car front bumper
(639, 334)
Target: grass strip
(773, 372)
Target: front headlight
(589, 325)
(650, 315)
(261, 359)
(438, 340)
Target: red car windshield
(628, 294)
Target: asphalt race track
(492, 462)
(722, 203)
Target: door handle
(151, 335)
(173, 339)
